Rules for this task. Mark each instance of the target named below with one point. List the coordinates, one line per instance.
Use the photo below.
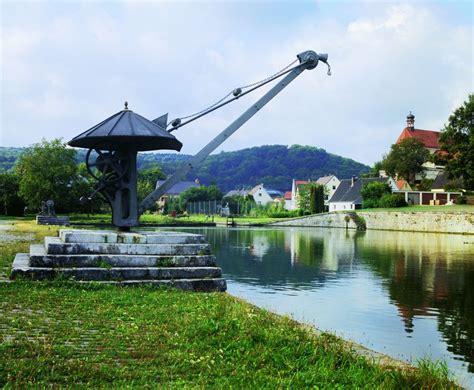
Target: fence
(207, 207)
(218, 207)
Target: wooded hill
(273, 165)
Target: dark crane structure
(114, 143)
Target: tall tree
(311, 198)
(10, 202)
(457, 139)
(406, 159)
(48, 170)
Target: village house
(263, 196)
(330, 184)
(291, 202)
(174, 191)
(347, 196)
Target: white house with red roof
(292, 203)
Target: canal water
(408, 295)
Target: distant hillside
(273, 165)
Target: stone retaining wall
(437, 222)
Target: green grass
(448, 209)
(167, 220)
(60, 333)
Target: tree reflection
(425, 277)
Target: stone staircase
(180, 260)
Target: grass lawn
(167, 220)
(65, 334)
(449, 209)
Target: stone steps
(109, 237)
(23, 268)
(39, 258)
(55, 246)
(180, 260)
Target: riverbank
(62, 333)
(414, 221)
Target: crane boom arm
(308, 60)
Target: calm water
(409, 295)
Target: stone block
(39, 258)
(56, 246)
(49, 220)
(113, 237)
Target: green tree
(48, 170)
(372, 192)
(406, 159)
(202, 193)
(311, 198)
(457, 139)
(146, 181)
(10, 201)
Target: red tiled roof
(401, 184)
(300, 182)
(429, 138)
(288, 195)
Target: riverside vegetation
(61, 333)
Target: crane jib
(308, 60)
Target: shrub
(370, 204)
(374, 190)
(392, 200)
(460, 200)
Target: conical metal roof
(127, 130)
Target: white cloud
(66, 66)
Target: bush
(370, 204)
(374, 190)
(461, 200)
(454, 185)
(392, 200)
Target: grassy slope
(63, 333)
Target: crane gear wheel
(109, 166)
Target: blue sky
(65, 66)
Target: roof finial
(126, 105)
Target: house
(263, 196)
(440, 182)
(430, 140)
(242, 193)
(174, 191)
(397, 185)
(330, 184)
(288, 201)
(348, 196)
(292, 203)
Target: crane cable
(236, 92)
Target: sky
(67, 65)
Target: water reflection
(405, 294)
